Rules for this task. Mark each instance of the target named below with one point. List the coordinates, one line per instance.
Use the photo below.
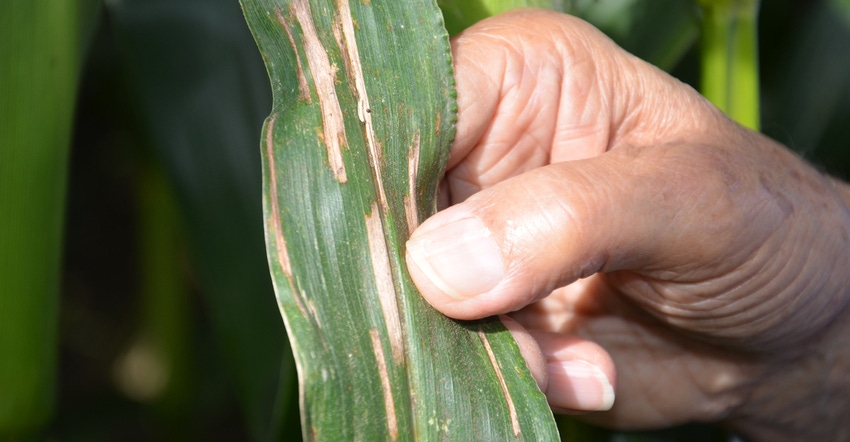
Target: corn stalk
(730, 58)
(363, 115)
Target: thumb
(628, 209)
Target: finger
(510, 71)
(581, 374)
(530, 350)
(510, 74)
(642, 209)
(575, 374)
(537, 87)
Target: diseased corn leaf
(364, 111)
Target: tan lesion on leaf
(299, 301)
(386, 385)
(336, 26)
(323, 73)
(274, 226)
(351, 54)
(274, 215)
(411, 210)
(495, 363)
(311, 307)
(384, 282)
(303, 87)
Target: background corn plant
(167, 325)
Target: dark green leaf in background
(41, 47)
(202, 94)
(806, 80)
(658, 31)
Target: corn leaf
(41, 45)
(363, 114)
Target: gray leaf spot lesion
(323, 74)
(303, 87)
(382, 272)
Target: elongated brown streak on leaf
(498, 370)
(280, 242)
(303, 87)
(364, 112)
(336, 27)
(323, 77)
(314, 313)
(274, 217)
(410, 209)
(377, 242)
(384, 282)
(386, 388)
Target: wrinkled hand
(642, 241)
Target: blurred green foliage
(39, 62)
(171, 102)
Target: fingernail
(460, 258)
(578, 385)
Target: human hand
(640, 238)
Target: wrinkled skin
(699, 268)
